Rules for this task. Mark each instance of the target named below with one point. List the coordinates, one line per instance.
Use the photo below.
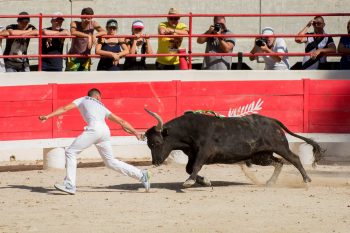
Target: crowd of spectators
(89, 34)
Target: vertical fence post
(190, 43)
(40, 41)
(306, 106)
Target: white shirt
(279, 46)
(91, 109)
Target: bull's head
(156, 140)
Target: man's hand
(140, 136)
(310, 23)
(315, 54)
(43, 118)
(264, 48)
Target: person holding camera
(217, 45)
(268, 44)
(316, 46)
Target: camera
(261, 42)
(217, 27)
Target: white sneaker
(145, 180)
(66, 189)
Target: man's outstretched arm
(58, 112)
(126, 126)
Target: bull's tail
(317, 150)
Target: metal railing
(189, 54)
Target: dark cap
(23, 18)
(87, 11)
(112, 23)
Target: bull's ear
(165, 132)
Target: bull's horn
(159, 127)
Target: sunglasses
(112, 28)
(174, 18)
(317, 24)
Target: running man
(96, 132)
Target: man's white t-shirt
(91, 109)
(280, 46)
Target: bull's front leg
(193, 171)
(201, 180)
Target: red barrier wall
(315, 106)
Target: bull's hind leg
(287, 154)
(267, 159)
(278, 164)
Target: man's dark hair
(319, 17)
(87, 11)
(94, 91)
(23, 18)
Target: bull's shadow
(174, 186)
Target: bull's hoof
(270, 183)
(307, 179)
(203, 181)
(188, 183)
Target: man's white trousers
(99, 135)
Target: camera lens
(217, 27)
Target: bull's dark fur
(207, 140)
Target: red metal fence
(191, 35)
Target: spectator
(317, 46)
(137, 45)
(170, 45)
(84, 41)
(111, 49)
(271, 45)
(344, 47)
(19, 46)
(217, 45)
(54, 45)
(3, 32)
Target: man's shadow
(51, 191)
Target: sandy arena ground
(110, 202)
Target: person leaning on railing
(3, 32)
(317, 46)
(54, 45)
(138, 45)
(217, 45)
(84, 41)
(111, 49)
(268, 44)
(344, 47)
(170, 45)
(19, 46)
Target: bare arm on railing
(171, 31)
(29, 31)
(115, 56)
(342, 48)
(132, 45)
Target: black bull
(208, 140)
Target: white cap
(58, 15)
(267, 31)
(138, 24)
